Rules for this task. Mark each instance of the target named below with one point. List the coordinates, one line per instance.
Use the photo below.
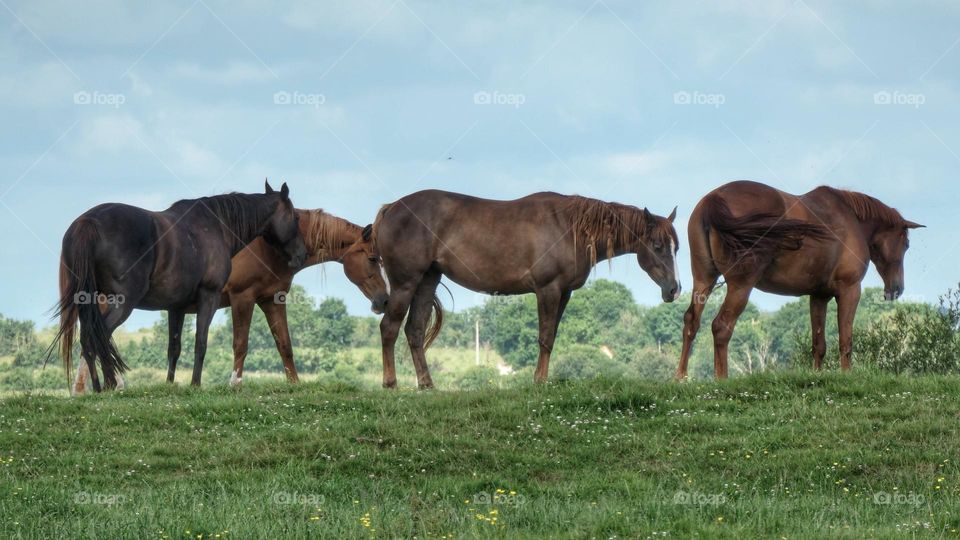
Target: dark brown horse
(818, 244)
(261, 276)
(544, 243)
(117, 258)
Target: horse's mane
(243, 213)
(326, 232)
(866, 208)
(616, 225)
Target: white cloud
(109, 134)
(635, 163)
(231, 73)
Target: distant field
(792, 455)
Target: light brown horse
(261, 276)
(544, 243)
(818, 244)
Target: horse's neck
(602, 254)
(241, 230)
(323, 249)
(869, 227)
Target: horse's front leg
(551, 301)
(207, 302)
(847, 303)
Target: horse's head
(361, 264)
(282, 229)
(657, 254)
(888, 245)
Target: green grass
(795, 455)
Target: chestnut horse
(117, 258)
(818, 244)
(544, 243)
(261, 276)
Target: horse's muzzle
(892, 294)
(671, 292)
(379, 304)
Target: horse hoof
(390, 385)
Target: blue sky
(357, 103)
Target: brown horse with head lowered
(544, 243)
(818, 244)
(261, 276)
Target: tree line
(603, 332)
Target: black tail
(78, 302)
(757, 236)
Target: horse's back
(748, 197)
(120, 226)
(467, 238)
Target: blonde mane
(617, 226)
(325, 234)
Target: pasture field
(778, 455)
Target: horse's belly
(489, 284)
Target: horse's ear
(912, 225)
(367, 232)
(266, 186)
(673, 215)
(647, 216)
(285, 191)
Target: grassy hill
(794, 455)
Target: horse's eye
(372, 259)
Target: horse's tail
(759, 235)
(78, 301)
(434, 330)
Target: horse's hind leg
(733, 305)
(416, 327)
(400, 298)
(114, 316)
(80, 383)
(702, 287)
(705, 276)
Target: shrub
(478, 377)
(583, 362)
(915, 338)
